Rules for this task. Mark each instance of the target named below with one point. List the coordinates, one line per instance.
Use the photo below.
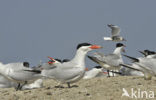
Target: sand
(100, 88)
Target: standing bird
(19, 73)
(146, 65)
(115, 34)
(110, 61)
(73, 70)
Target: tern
(148, 53)
(93, 72)
(110, 61)
(115, 34)
(73, 70)
(145, 65)
(19, 73)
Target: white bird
(73, 70)
(115, 34)
(19, 73)
(93, 72)
(145, 65)
(110, 61)
(148, 53)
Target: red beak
(95, 47)
(51, 62)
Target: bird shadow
(60, 86)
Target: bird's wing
(111, 59)
(115, 30)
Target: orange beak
(86, 69)
(50, 62)
(95, 47)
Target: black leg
(23, 85)
(68, 85)
(18, 86)
(108, 73)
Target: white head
(120, 46)
(99, 68)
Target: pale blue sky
(31, 30)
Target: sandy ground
(100, 88)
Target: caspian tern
(110, 61)
(19, 73)
(115, 34)
(93, 72)
(73, 70)
(143, 64)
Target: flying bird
(115, 34)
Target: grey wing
(48, 66)
(110, 59)
(66, 71)
(148, 63)
(115, 30)
(67, 65)
(113, 60)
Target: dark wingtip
(142, 53)
(132, 58)
(93, 59)
(36, 71)
(129, 67)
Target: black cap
(119, 45)
(65, 60)
(83, 44)
(26, 64)
(98, 67)
(59, 60)
(149, 52)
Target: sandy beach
(100, 88)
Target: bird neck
(117, 51)
(79, 58)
